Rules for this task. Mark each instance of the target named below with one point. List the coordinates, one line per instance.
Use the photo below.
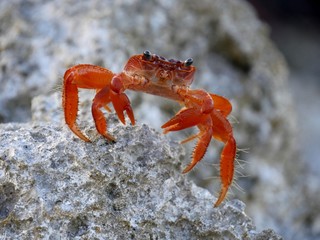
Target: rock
(55, 186)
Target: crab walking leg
(222, 131)
(101, 99)
(200, 149)
(222, 104)
(70, 105)
(226, 168)
(200, 105)
(120, 100)
(188, 139)
(81, 76)
(120, 103)
(188, 118)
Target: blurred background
(262, 55)
(295, 29)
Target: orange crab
(159, 76)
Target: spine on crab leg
(222, 131)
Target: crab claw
(185, 118)
(101, 99)
(188, 118)
(121, 103)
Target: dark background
(295, 29)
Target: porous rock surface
(55, 186)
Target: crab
(169, 78)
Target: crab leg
(200, 105)
(185, 118)
(101, 99)
(188, 118)
(81, 76)
(198, 102)
(222, 131)
(120, 103)
(211, 125)
(226, 167)
(200, 149)
(70, 105)
(188, 139)
(222, 104)
(120, 100)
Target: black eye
(147, 55)
(188, 62)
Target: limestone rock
(55, 186)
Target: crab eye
(188, 62)
(147, 55)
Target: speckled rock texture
(54, 186)
(234, 57)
